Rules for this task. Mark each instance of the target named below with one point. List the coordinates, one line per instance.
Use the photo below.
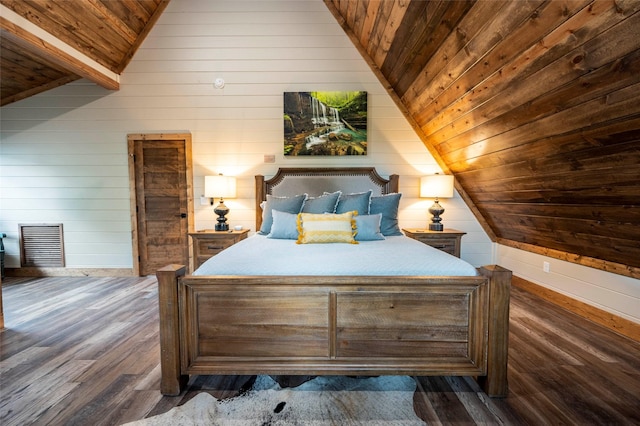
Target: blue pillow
(325, 203)
(283, 204)
(388, 206)
(368, 227)
(357, 201)
(285, 226)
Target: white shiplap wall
(611, 292)
(64, 154)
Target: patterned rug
(326, 400)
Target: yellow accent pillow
(326, 228)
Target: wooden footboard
(334, 325)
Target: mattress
(395, 255)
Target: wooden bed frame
(333, 325)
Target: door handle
(183, 215)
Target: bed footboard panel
(253, 323)
(334, 325)
(440, 323)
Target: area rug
(326, 400)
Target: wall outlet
(546, 267)
(204, 201)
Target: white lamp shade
(436, 186)
(220, 186)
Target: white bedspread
(397, 255)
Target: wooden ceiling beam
(37, 41)
(39, 89)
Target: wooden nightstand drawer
(449, 240)
(212, 247)
(444, 244)
(206, 244)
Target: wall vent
(41, 245)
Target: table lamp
(436, 186)
(223, 187)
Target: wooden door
(162, 204)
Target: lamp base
(436, 210)
(221, 226)
(436, 227)
(221, 210)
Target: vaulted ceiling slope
(48, 43)
(534, 106)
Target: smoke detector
(218, 83)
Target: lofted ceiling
(48, 43)
(533, 105)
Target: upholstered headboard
(315, 181)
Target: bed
(392, 318)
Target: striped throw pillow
(326, 228)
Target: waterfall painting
(325, 123)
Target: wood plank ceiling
(534, 106)
(94, 39)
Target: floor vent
(41, 245)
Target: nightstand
(208, 243)
(448, 240)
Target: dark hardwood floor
(79, 351)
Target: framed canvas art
(325, 123)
